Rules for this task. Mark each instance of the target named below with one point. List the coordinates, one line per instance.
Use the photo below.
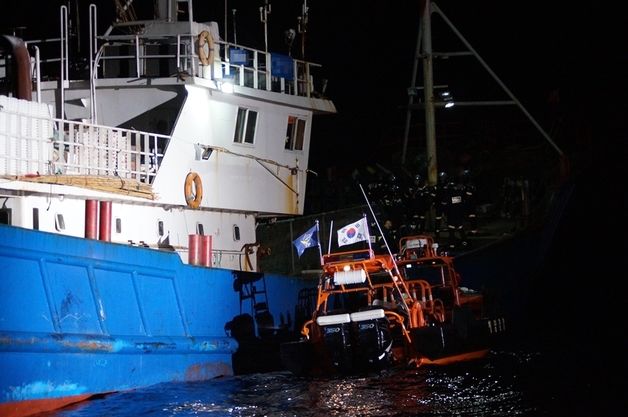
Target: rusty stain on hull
(291, 199)
(205, 371)
(93, 346)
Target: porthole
(59, 222)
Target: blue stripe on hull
(82, 316)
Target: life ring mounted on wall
(193, 190)
(206, 57)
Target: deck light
(207, 152)
(447, 99)
(225, 85)
(203, 151)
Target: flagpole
(331, 231)
(387, 248)
(318, 239)
(376, 222)
(368, 235)
(380, 230)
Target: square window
(295, 133)
(298, 140)
(246, 122)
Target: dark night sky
(540, 51)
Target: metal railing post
(63, 21)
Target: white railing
(301, 82)
(22, 125)
(31, 145)
(128, 56)
(100, 150)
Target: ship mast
(424, 51)
(428, 94)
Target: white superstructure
(155, 111)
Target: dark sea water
(492, 387)
(506, 383)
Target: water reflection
(495, 386)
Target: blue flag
(306, 240)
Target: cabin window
(35, 218)
(236, 232)
(118, 225)
(160, 227)
(199, 229)
(59, 222)
(5, 216)
(245, 126)
(295, 133)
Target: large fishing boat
(129, 197)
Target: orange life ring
(206, 57)
(193, 194)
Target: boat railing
(49, 146)
(415, 247)
(252, 68)
(336, 258)
(90, 149)
(173, 55)
(24, 145)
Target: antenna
(302, 26)
(226, 21)
(235, 35)
(264, 11)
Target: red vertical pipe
(194, 249)
(206, 250)
(105, 221)
(91, 219)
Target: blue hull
(81, 317)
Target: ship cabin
(166, 130)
